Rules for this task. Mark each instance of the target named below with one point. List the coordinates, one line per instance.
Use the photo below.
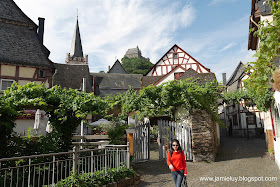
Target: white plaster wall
(269, 18)
(267, 120)
(170, 77)
(258, 120)
(22, 126)
(277, 152)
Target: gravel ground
(240, 158)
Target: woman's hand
(171, 166)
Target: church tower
(76, 55)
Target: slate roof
(150, 80)
(190, 73)
(200, 77)
(71, 76)
(112, 83)
(10, 11)
(19, 41)
(117, 68)
(236, 77)
(239, 70)
(263, 7)
(76, 47)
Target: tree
(136, 65)
(259, 83)
(165, 99)
(67, 108)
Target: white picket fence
(141, 141)
(171, 130)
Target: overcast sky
(214, 32)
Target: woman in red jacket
(177, 163)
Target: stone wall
(205, 141)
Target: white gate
(171, 130)
(141, 141)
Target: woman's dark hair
(179, 147)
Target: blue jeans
(178, 177)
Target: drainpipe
(272, 123)
(251, 18)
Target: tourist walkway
(239, 159)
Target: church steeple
(76, 55)
(76, 47)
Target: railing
(48, 169)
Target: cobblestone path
(240, 158)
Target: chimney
(109, 67)
(224, 79)
(41, 28)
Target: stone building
(135, 53)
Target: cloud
(221, 49)
(232, 44)
(108, 28)
(216, 2)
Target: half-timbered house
(174, 64)
(23, 57)
(261, 11)
(242, 119)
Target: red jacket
(177, 160)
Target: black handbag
(184, 182)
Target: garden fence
(48, 169)
(170, 130)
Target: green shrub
(115, 131)
(97, 178)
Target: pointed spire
(76, 47)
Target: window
(41, 73)
(175, 57)
(6, 84)
(250, 119)
(177, 75)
